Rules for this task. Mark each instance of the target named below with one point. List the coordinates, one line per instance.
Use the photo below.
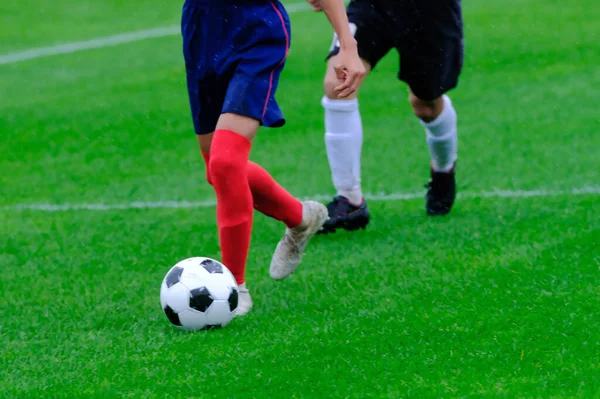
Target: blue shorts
(234, 52)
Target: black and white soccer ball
(199, 294)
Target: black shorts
(428, 35)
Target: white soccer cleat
(290, 248)
(244, 301)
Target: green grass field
(499, 299)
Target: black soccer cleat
(344, 215)
(441, 192)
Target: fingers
(350, 79)
(344, 90)
(340, 71)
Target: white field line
(108, 41)
(123, 38)
(589, 190)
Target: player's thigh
(331, 80)
(252, 88)
(243, 125)
(373, 37)
(431, 57)
(206, 96)
(434, 68)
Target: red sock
(272, 199)
(228, 174)
(269, 197)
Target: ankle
(354, 196)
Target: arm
(349, 68)
(336, 13)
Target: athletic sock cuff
(228, 141)
(339, 105)
(443, 116)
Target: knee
(331, 102)
(220, 167)
(329, 85)
(331, 81)
(228, 157)
(427, 111)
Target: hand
(315, 5)
(350, 70)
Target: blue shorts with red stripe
(234, 52)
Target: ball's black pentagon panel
(172, 316)
(211, 266)
(233, 299)
(174, 276)
(200, 299)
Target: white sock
(343, 140)
(442, 138)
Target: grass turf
(500, 299)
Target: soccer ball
(199, 294)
